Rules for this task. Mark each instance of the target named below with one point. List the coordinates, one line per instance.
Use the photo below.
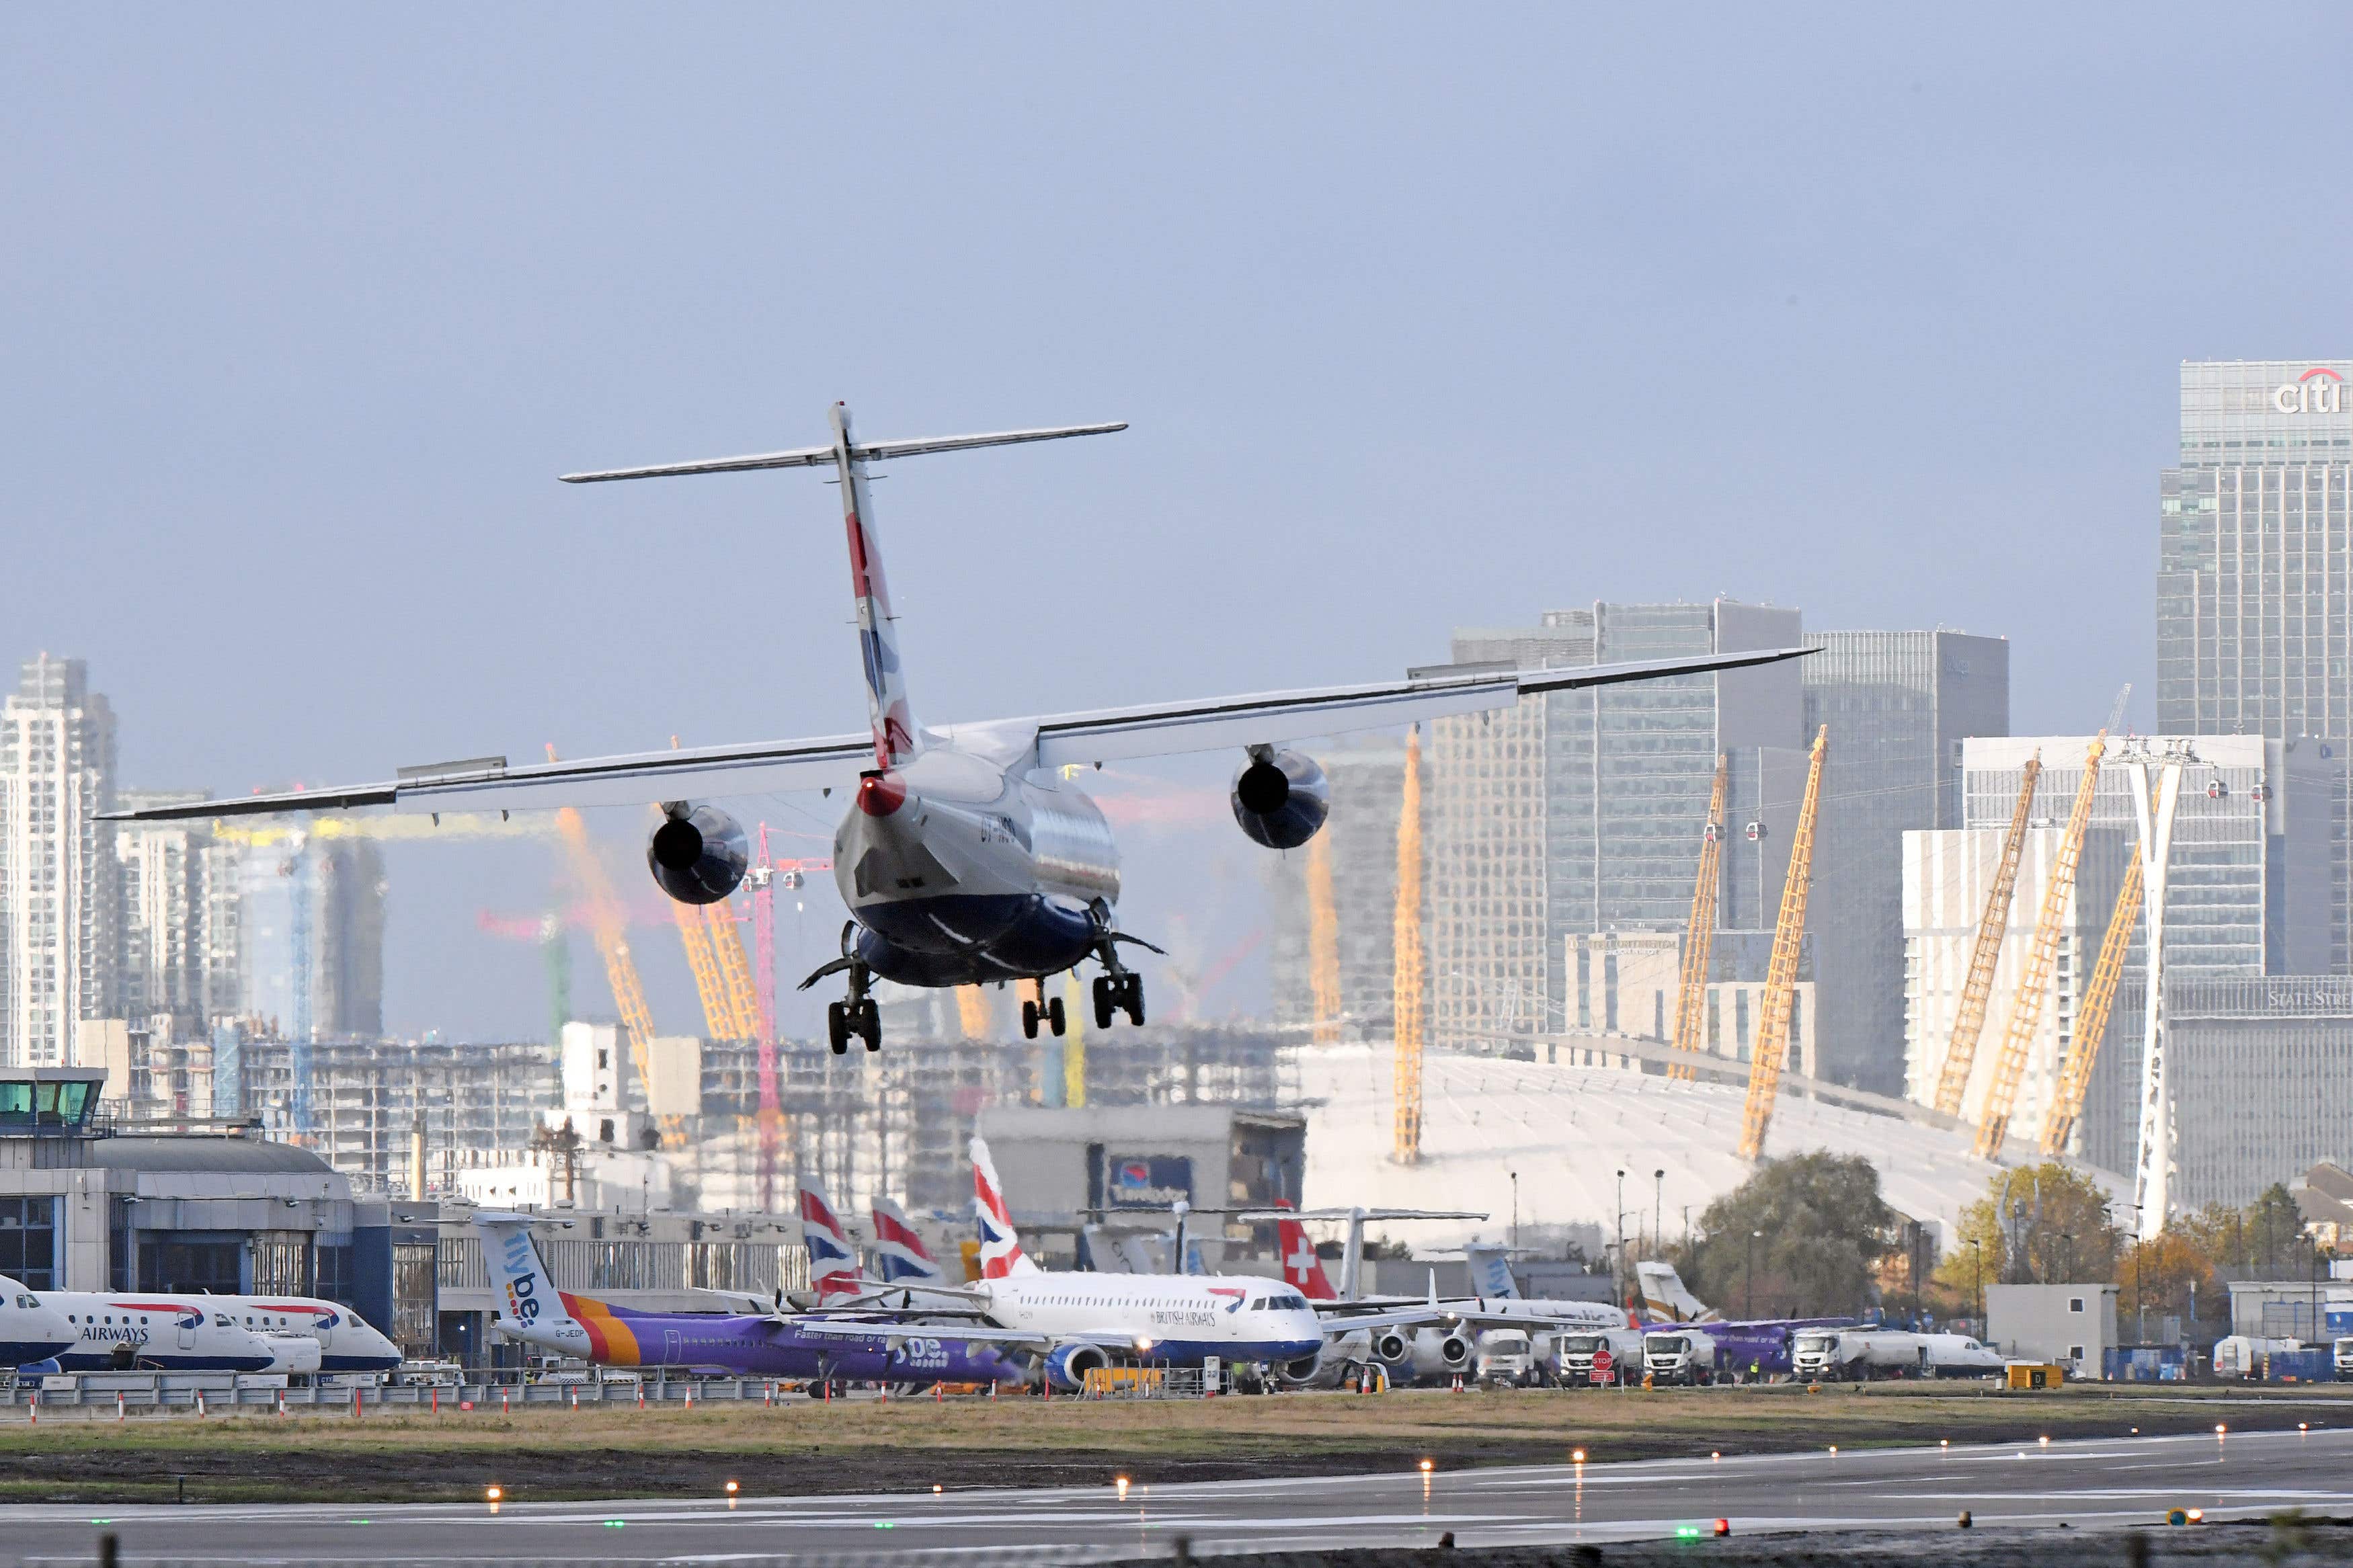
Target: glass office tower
(2254, 588)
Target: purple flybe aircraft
(781, 1344)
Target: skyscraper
(1579, 812)
(59, 911)
(165, 906)
(1898, 705)
(2254, 587)
(310, 935)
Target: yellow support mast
(1407, 977)
(1781, 973)
(2034, 988)
(1961, 1054)
(1699, 944)
(2091, 1018)
(1322, 940)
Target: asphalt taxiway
(2090, 1484)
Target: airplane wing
(851, 1329)
(1271, 717)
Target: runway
(2090, 1484)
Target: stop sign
(1602, 1361)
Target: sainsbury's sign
(2317, 390)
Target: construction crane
(1699, 944)
(609, 931)
(2092, 1017)
(1407, 976)
(1781, 972)
(1961, 1054)
(1322, 941)
(2034, 987)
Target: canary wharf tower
(2254, 587)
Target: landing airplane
(964, 857)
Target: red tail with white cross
(1302, 1269)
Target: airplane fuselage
(753, 1346)
(961, 869)
(1181, 1320)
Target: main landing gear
(1121, 991)
(858, 1017)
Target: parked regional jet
(31, 1329)
(965, 856)
(163, 1330)
(530, 1309)
(347, 1342)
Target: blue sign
(1147, 1180)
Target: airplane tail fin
(1302, 1271)
(1665, 1295)
(896, 735)
(525, 1293)
(900, 1256)
(1000, 1245)
(833, 1261)
(1491, 1272)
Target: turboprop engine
(1281, 798)
(698, 854)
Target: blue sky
(1421, 317)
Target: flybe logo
(2317, 390)
(523, 1302)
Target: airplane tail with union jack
(833, 1261)
(900, 1256)
(1000, 1245)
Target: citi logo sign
(2316, 391)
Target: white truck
(1505, 1360)
(2241, 1355)
(2345, 1359)
(1684, 1356)
(1599, 1358)
(1858, 1355)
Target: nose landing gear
(1041, 1007)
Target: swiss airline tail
(900, 1256)
(833, 1262)
(1001, 1247)
(1302, 1269)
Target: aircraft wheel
(1135, 1002)
(1028, 1020)
(837, 1026)
(1106, 1000)
(1054, 1014)
(869, 1024)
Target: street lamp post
(1621, 1232)
(1515, 1209)
(1976, 1277)
(1753, 1237)
(1659, 1215)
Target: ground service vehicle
(1505, 1359)
(1611, 1355)
(1858, 1355)
(1686, 1356)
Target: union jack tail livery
(900, 1256)
(1302, 1269)
(833, 1262)
(1000, 1247)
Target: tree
(2038, 1223)
(1825, 1226)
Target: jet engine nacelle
(1067, 1365)
(1281, 798)
(1391, 1346)
(1440, 1354)
(1310, 1370)
(698, 854)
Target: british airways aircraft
(965, 857)
(31, 1329)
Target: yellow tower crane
(1961, 1054)
(1691, 992)
(1322, 940)
(2092, 1017)
(2034, 987)
(1407, 977)
(1781, 972)
(611, 933)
